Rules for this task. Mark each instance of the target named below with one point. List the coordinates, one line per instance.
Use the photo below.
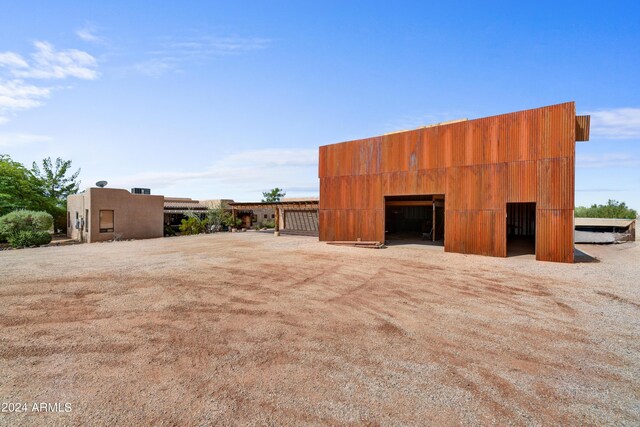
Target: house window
(86, 220)
(106, 221)
(68, 219)
(273, 216)
(265, 216)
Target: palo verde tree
(57, 183)
(274, 195)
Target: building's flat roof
(603, 222)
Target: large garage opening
(414, 219)
(521, 229)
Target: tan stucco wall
(136, 216)
(77, 203)
(260, 213)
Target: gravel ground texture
(252, 329)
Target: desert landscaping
(247, 328)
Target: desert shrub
(23, 220)
(230, 222)
(168, 231)
(269, 224)
(193, 225)
(26, 238)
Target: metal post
(433, 222)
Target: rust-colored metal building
(475, 184)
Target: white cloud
(16, 139)
(15, 95)
(210, 45)
(45, 63)
(12, 60)
(89, 34)
(240, 173)
(49, 63)
(155, 67)
(617, 123)
(606, 160)
(173, 52)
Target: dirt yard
(250, 329)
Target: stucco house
(102, 214)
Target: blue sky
(229, 99)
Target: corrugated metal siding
(481, 232)
(583, 125)
(552, 240)
(555, 176)
(479, 165)
(521, 181)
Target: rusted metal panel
(376, 200)
(322, 162)
(521, 181)
(554, 235)
(480, 232)
(400, 183)
(399, 151)
(558, 131)
(555, 177)
(520, 141)
(496, 146)
(583, 125)
(479, 166)
(431, 181)
(431, 150)
(484, 187)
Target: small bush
(193, 225)
(269, 224)
(17, 221)
(26, 238)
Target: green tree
(613, 209)
(57, 184)
(273, 196)
(19, 188)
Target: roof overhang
(303, 204)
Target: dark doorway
(414, 219)
(521, 229)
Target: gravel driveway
(249, 329)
